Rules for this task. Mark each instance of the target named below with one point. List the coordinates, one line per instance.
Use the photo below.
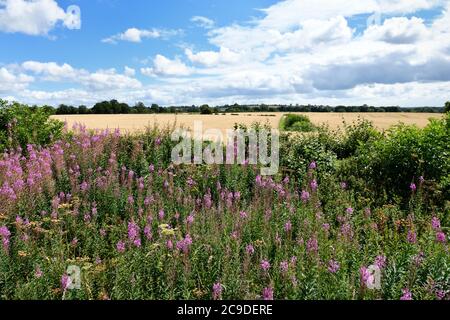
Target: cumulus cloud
(130, 72)
(213, 58)
(290, 13)
(98, 80)
(163, 66)
(12, 82)
(36, 17)
(109, 79)
(203, 22)
(391, 69)
(137, 35)
(51, 70)
(298, 51)
(398, 30)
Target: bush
(205, 109)
(405, 154)
(298, 152)
(21, 125)
(355, 135)
(299, 123)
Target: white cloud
(299, 51)
(99, 80)
(398, 30)
(258, 43)
(213, 58)
(51, 70)
(203, 22)
(163, 66)
(137, 35)
(36, 17)
(109, 79)
(290, 13)
(10, 82)
(130, 72)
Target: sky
(184, 52)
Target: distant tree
(83, 109)
(49, 110)
(140, 108)
(205, 109)
(154, 108)
(63, 109)
(124, 108)
(447, 107)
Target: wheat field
(136, 122)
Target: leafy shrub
(21, 125)
(300, 123)
(405, 154)
(297, 152)
(355, 135)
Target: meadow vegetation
(141, 228)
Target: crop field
(133, 123)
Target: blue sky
(177, 52)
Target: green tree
(205, 109)
(447, 107)
(83, 110)
(21, 125)
(154, 108)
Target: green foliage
(297, 152)
(357, 134)
(94, 190)
(447, 107)
(299, 123)
(205, 109)
(21, 125)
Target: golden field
(136, 122)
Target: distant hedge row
(116, 107)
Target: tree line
(116, 107)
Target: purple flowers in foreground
(5, 234)
(184, 244)
(412, 237)
(440, 237)
(204, 232)
(120, 246)
(436, 224)
(267, 293)
(217, 291)
(367, 278)
(333, 266)
(407, 295)
(305, 196)
(314, 185)
(380, 261)
(265, 265)
(66, 281)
